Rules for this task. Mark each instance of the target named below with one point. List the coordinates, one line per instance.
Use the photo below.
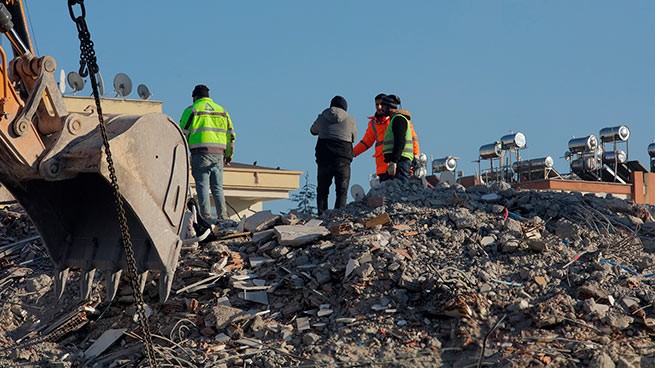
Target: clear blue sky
(469, 71)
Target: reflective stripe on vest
(215, 145)
(218, 130)
(408, 149)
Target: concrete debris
(311, 338)
(602, 360)
(222, 338)
(298, 235)
(260, 221)
(260, 297)
(221, 316)
(105, 340)
(407, 277)
(314, 222)
(302, 324)
(263, 236)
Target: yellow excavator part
(54, 163)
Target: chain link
(89, 66)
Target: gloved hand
(391, 170)
(228, 160)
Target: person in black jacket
(336, 131)
(398, 148)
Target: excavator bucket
(73, 207)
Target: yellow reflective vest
(408, 149)
(208, 128)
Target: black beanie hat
(200, 91)
(391, 100)
(338, 101)
(380, 96)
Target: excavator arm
(53, 162)
(17, 11)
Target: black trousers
(340, 171)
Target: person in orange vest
(377, 126)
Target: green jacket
(208, 128)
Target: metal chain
(89, 66)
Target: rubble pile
(407, 276)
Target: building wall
(113, 105)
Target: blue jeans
(402, 170)
(207, 171)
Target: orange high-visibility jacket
(375, 136)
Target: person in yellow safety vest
(374, 136)
(415, 144)
(209, 131)
(397, 148)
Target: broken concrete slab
(509, 245)
(297, 235)
(222, 315)
(314, 222)
(592, 291)
(463, 218)
(260, 221)
(260, 297)
(618, 322)
(487, 240)
(221, 337)
(105, 340)
(263, 236)
(302, 324)
(537, 245)
(596, 309)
